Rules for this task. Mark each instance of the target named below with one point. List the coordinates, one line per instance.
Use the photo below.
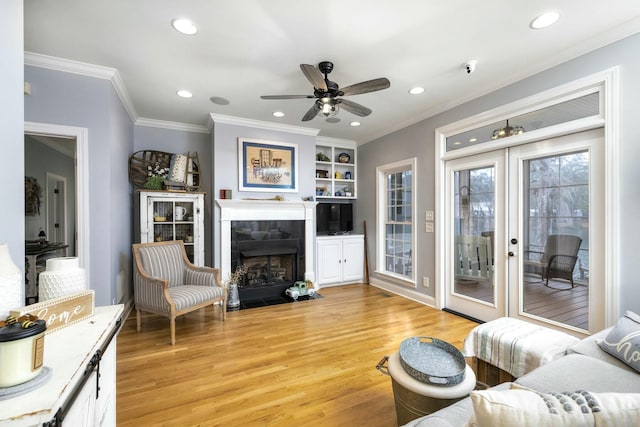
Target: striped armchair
(168, 284)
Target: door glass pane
(474, 224)
(555, 274)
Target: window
(396, 213)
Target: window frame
(382, 173)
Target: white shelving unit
(336, 169)
(174, 216)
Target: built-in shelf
(335, 169)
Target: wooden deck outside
(570, 307)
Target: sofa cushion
(623, 341)
(578, 372)
(525, 407)
(589, 347)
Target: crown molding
(162, 124)
(239, 121)
(84, 69)
(326, 140)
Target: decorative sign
(62, 311)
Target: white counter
(68, 353)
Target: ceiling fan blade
(286, 96)
(366, 87)
(314, 76)
(354, 108)
(310, 114)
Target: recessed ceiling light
(278, 114)
(184, 26)
(184, 93)
(219, 100)
(473, 139)
(416, 90)
(545, 20)
(354, 124)
(457, 143)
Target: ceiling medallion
(507, 131)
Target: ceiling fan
(328, 93)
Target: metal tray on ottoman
(432, 361)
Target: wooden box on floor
(488, 374)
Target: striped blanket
(515, 346)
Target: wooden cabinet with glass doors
(174, 216)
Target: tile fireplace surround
(265, 210)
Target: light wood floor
(309, 363)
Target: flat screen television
(333, 218)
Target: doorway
(525, 232)
(57, 157)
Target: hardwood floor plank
(309, 363)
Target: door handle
(511, 253)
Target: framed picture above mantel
(267, 166)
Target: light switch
(428, 216)
(428, 227)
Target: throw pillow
(623, 342)
(524, 407)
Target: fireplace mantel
(264, 210)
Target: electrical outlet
(425, 282)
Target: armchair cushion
(186, 296)
(163, 261)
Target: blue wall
(75, 100)
(419, 140)
(12, 129)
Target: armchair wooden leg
(172, 322)
(138, 319)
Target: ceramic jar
(62, 277)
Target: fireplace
(272, 251)
(274, 239)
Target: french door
(524, 232)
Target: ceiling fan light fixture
(184, 26)
(507, 131)
(327, 107)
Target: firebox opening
(273, 252)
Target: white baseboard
(404, 292)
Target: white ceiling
(248, 48)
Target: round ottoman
(415, 399)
